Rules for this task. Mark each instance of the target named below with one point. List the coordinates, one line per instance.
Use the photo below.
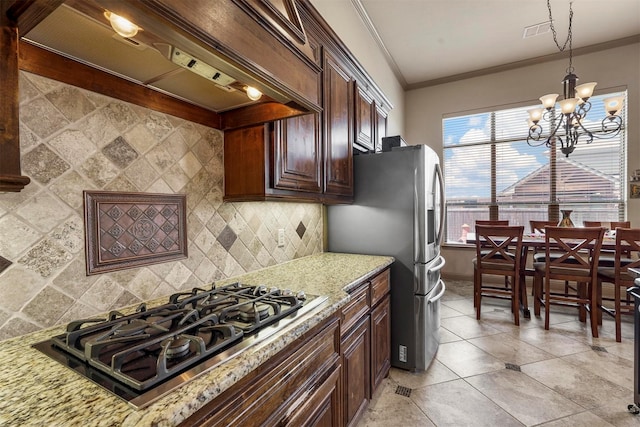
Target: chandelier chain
(569, 34)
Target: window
(490, 168)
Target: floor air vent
(598, 348)
(403, 391)
(512, 367)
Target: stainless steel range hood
(158, 58)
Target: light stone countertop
(38, 391)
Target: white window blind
(489, 165)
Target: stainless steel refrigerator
(398, 211)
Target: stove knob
(260, 290)
(286, 292)
(301, 296)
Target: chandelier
(567, 127)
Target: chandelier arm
(608, 131)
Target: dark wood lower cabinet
(381, 342)
(325, 378)
(355, 357)
(299, 386)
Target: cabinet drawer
(380, 286)
(356, 308)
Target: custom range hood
(163, 56)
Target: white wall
(614, 69)
(343, 18)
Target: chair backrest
(620, 224)
(492, 222)
(538, 226)
(499, 247)
(592, 223)
(580, 247)
(627, 241)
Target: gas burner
(249, 311)
(175, 347)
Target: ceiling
(430, 42)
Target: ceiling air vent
(536, 30)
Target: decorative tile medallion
(126, 230)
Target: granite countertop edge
(39, 391)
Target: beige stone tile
(465, 359)
(97, 128)
(448, 336)
(48, 306)
(69, 188)
(510, 349)
(616, 413)
(436, 373)
(578, 420)
(464, 306)
(456, 403)
(16, 236)
(17, 286)
(610, 366)
(144, 284)
(44, 211)
(158, 125)
(40, 116)
(523, 397)
(446, 311)
(575, 382)
(103, 293)
(73, 146)
(140, 138)
(141, 173)
(390, 409)
(468, 327)
(45, 258)
(550, 341)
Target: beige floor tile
(448, 336)
(578, 420)
(457, 404)
(387, 409)
(464, 306)
(437, 373)
(509, 349)
(523, 397)
(446, 311)
(615, 368)
(468, 327)
(465, 359)
(551, 341)
(616, 413)
(575, 382)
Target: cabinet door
(338, 115)
(297, 156)
(380, 126)
(380, 343)
(356, 369)
(364, 120)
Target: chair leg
(618, 316)
(515, 298)
(593, 310)
(537, 291)
(547, 295)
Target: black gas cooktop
(146, 354)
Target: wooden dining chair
(577, 264)
(592, 223)
(627, 239)
(492, 222)
(538, 226)
(498, 253)
(619, 224)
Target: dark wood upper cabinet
(364, 120)
(298, 154)
(338, 126)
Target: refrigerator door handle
(439, 266)
(439, 203)
(440, 294)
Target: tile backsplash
(74, 140)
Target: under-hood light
(121, 25)
(253, 93)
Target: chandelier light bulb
(121, 25)
(548, 101)
(568, 105)
(535, 115)
(584, 91)
(253, 93)
(614, 104)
